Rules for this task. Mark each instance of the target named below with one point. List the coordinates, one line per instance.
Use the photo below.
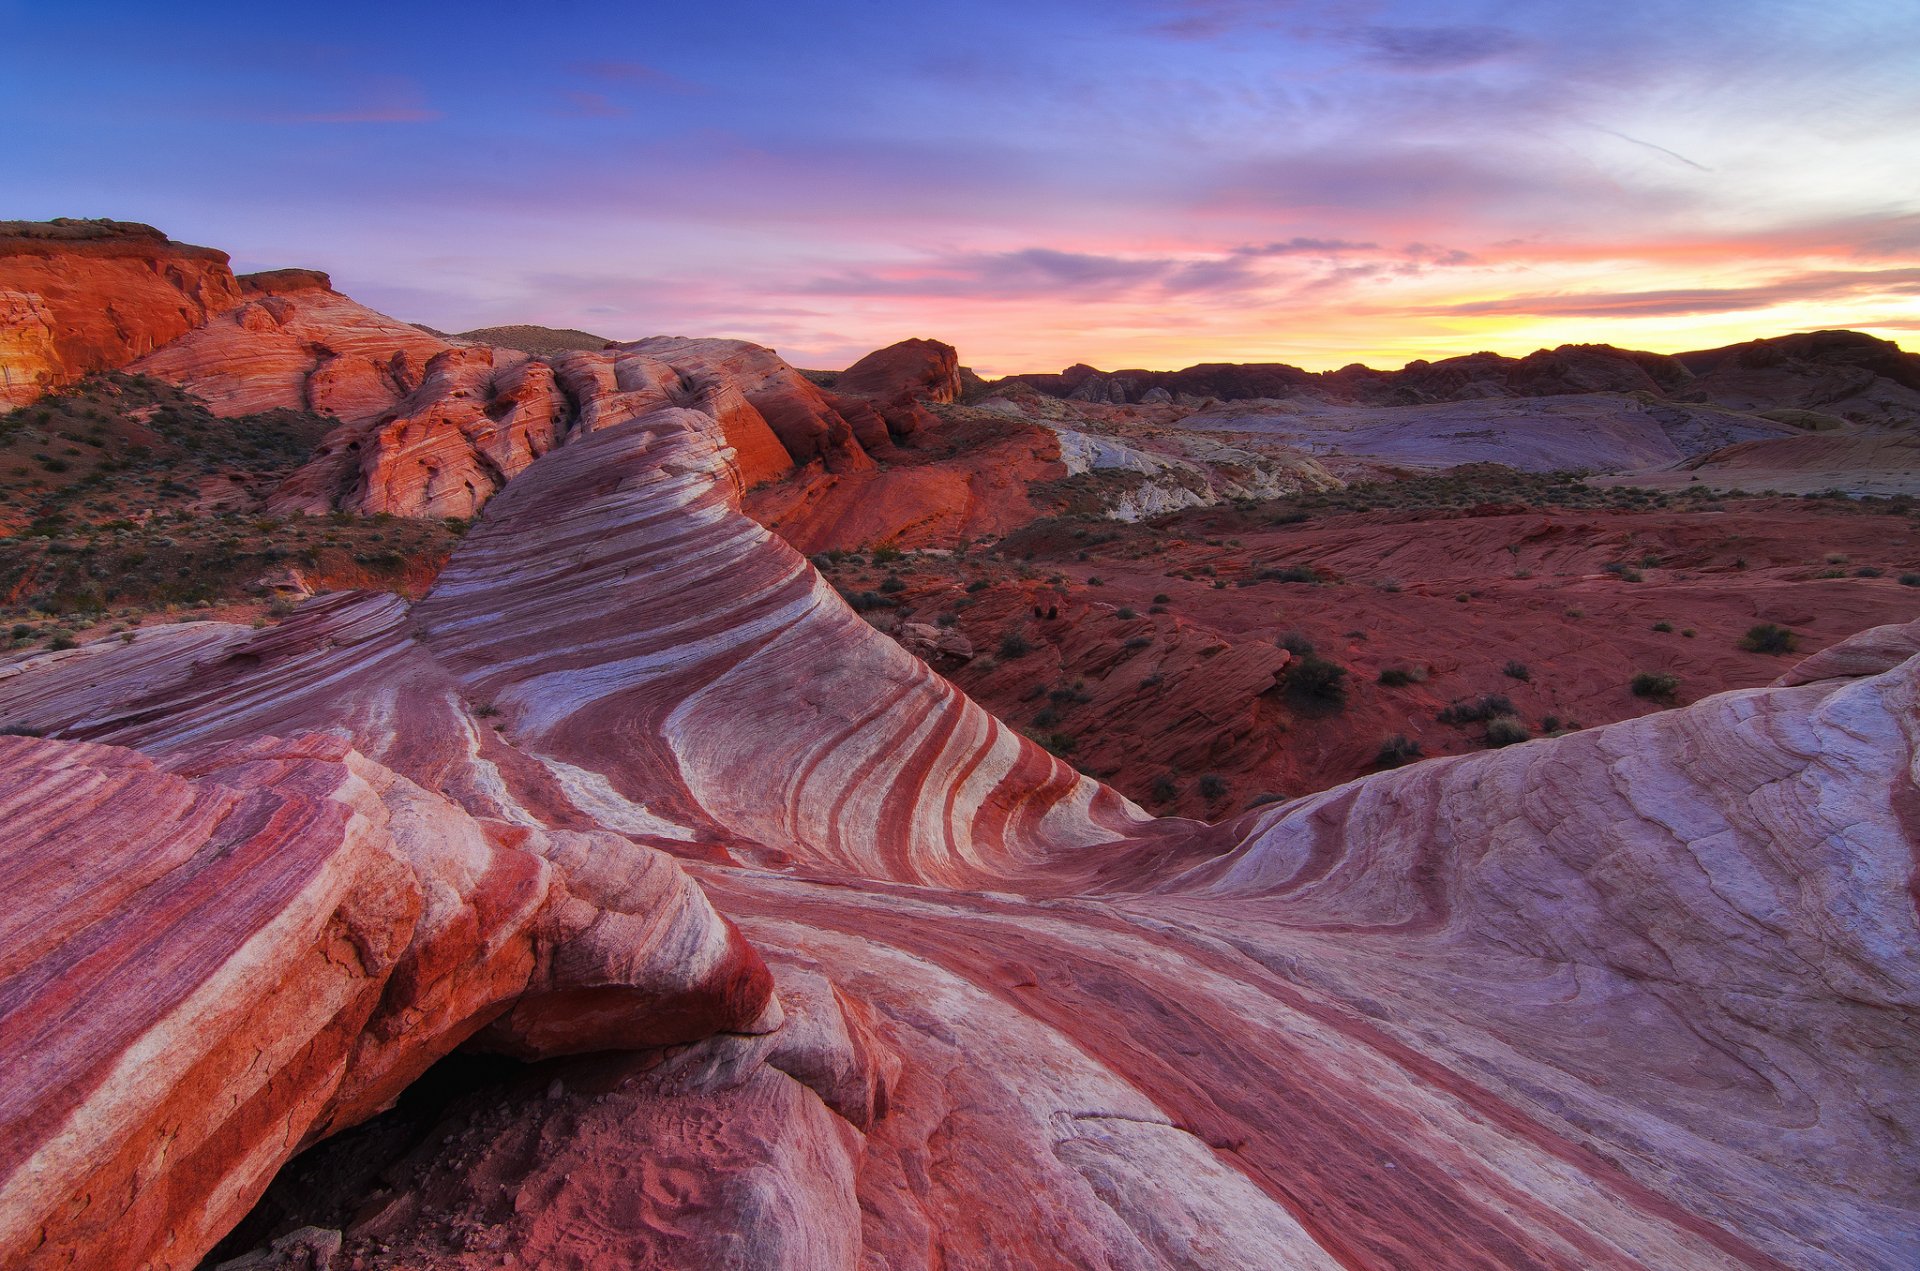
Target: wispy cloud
(1437, 48)
(1824, 285)
(1303, 246)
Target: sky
(1127, 183)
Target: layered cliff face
(1639, 997)
(82, 296)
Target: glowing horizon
(1134, 184)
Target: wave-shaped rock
(208, 963)
(1641, 996)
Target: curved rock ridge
(84, 296)
(1638, 997)
(207, 964)
(876, 766)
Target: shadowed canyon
(517, 799)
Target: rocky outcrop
(83, 296)
(297, 345)
(894, 382)
(918, 370)
(210, 962)
(444, 440)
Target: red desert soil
(1556, 610)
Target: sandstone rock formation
(1638, 997)
(918, 370)
(210, 962)
(81, 296)
(893, 382)
(297, 344)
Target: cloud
(1824, 285)
(1042, 271)
(1428, 254)
(1436, 48)
(1212, 19)
(1300, 246)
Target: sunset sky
(1121, 182)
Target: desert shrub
(1486, 707)
(1152, 681)
(1290, 574)
(893, 583)
(1656, 686)
(1014, 645)
(1212, 788)
(1164, 788)
(1162, 598)
(1047, 717)
(865, 601)
(1663, 626)
(1516, 670)
(1313, 680)
(1910, 580)
(1769, 637)
(1868, 571)
(1401, 676)
(1296, 643)
(885, 554)
(1265, 797)
(1125, 612)
(978, 584)
(1505, 730)
(1138, 642)
(1395, 751)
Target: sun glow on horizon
(1148, 184)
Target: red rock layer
(77, 297)
(977, 483)
(1639, 997)
(207, 965)
(297, 345)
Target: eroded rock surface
(1637, 997)
(81, 296)
(210, 961)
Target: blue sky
(1130, 183)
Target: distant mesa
(538, 341)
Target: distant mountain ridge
(1848, 374)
